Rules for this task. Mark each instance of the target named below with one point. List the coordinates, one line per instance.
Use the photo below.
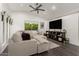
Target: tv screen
(57, 24)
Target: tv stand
(56, 35)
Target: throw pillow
(25, 36)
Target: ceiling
(61, 9)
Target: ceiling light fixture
(53, 7)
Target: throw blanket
(40, 39)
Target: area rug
(53, 45)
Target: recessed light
(44, 13)
(53, 7)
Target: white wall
(19, 18)
(70, 23)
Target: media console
(56, 35)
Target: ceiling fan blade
(41, 9)
(31, 7)
(32, 10)
(38, 6)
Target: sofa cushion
(17, 37)
(25, 36)
(40, 39)
(32, 33)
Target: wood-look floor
(62, 50)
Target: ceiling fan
(36, 8)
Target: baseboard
(74, 44)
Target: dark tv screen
(57, 24)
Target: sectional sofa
(37, 44)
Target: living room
(15, 17)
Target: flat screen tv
(57, 24)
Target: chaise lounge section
(42, 43)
